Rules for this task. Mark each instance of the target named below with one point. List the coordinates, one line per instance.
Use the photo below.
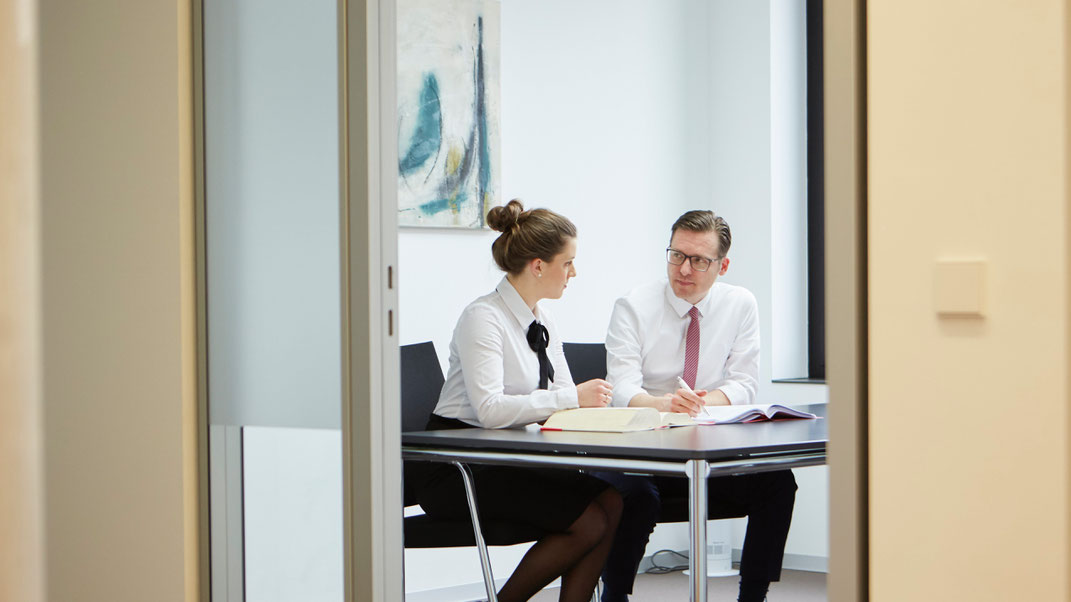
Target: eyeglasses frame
(689, 258)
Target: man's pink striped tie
(691, 348)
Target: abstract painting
(448, 112)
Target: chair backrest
(422, 380)
(586, 360)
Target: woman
(507, 369)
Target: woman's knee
(591, 526)
(612, 505)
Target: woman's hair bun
(527, 235)
(502, 218)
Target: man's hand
(682, 401)
(685, 401)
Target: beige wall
(116, 265)
(20, 414)
(967, 126)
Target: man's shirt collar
(682, 307)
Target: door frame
(371, 415)
(846, 296)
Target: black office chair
(422, 380)
(586, 360)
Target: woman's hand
(596, 393)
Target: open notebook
(749, 413)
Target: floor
(795, 586)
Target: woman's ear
(536, 267)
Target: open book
(749, 413)
(613, 420)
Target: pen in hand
(684, 385)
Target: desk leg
(698, 470)
(485, 560)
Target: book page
(610, 420)
(777, 411)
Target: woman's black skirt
(551, 499)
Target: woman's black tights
(577, 555)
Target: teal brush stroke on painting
(427, 137)
(433, 207)
(484, 173)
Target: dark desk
(696, 452)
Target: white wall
(606, 125)
(622, 129)
(602, 124)
(758, 170)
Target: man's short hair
(705, 221)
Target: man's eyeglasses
(699, 264)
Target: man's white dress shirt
(493, 376)
(645, 342)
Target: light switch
(959, 288)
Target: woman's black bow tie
(538, 339)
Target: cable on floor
(661, 569)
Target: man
(706, 333)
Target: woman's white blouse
(493, 376)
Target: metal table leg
(698, 470)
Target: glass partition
(271, 173)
